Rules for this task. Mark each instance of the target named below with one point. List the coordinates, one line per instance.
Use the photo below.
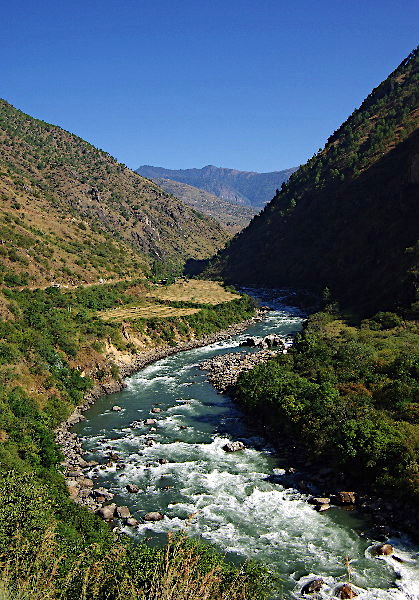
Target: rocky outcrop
(269, 341)
(224, 370)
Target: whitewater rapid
(227, 499)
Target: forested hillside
(70, 212)
(347, 219)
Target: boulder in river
(123, 512)
(132, 488)
(346, 497)
(250, 341)
(153, 516)
(150, 422)
(116, 408)
(156, 409)
(233, 446)
(106, 512)
(315, 585)
(131, 522)
(319, 501)
(346, 591)
(101, 492)
(383, 550)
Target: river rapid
(235, 504)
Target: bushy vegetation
(351, 394)
(49, 546)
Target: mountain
(240, 187)
(232, 216)
(347, 219)
(70, 212)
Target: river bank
(74, 467)
(326, 485)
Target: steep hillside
(232, 216)
(70, 212)
(241, 187)
(348, 219)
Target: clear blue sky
(250, 84)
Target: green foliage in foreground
(351, 395)
(41, 558)
(50, 548)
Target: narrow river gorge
(181, 469)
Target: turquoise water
(235, 504)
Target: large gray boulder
(132, 488)
(123, 512)
(107, 512)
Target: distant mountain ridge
(348, 219)
(246, 188)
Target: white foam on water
(235, 506)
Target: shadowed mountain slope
(348, 218)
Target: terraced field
(145, 312)
(194, 290)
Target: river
(235, 504)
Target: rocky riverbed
(326, 485)
(76, 468)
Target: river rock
(383, 550)
(163, 461)
(116, 408)
(131, 522)
(315, 585)
(346, 591)
(123, 512)
(132, 488)
(319, 501)
(153, 516)
(322, 507)
(250, 341)
(155, 410)
(73, 488)
(346, 497)
(233, 446)
(107, 512)
(101, 492)
(150, 421)
(86, 482)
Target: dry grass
(178, 575)
(194, 290)
(145, 312)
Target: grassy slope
(348, 218)
(232, 216)
(69, 211)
